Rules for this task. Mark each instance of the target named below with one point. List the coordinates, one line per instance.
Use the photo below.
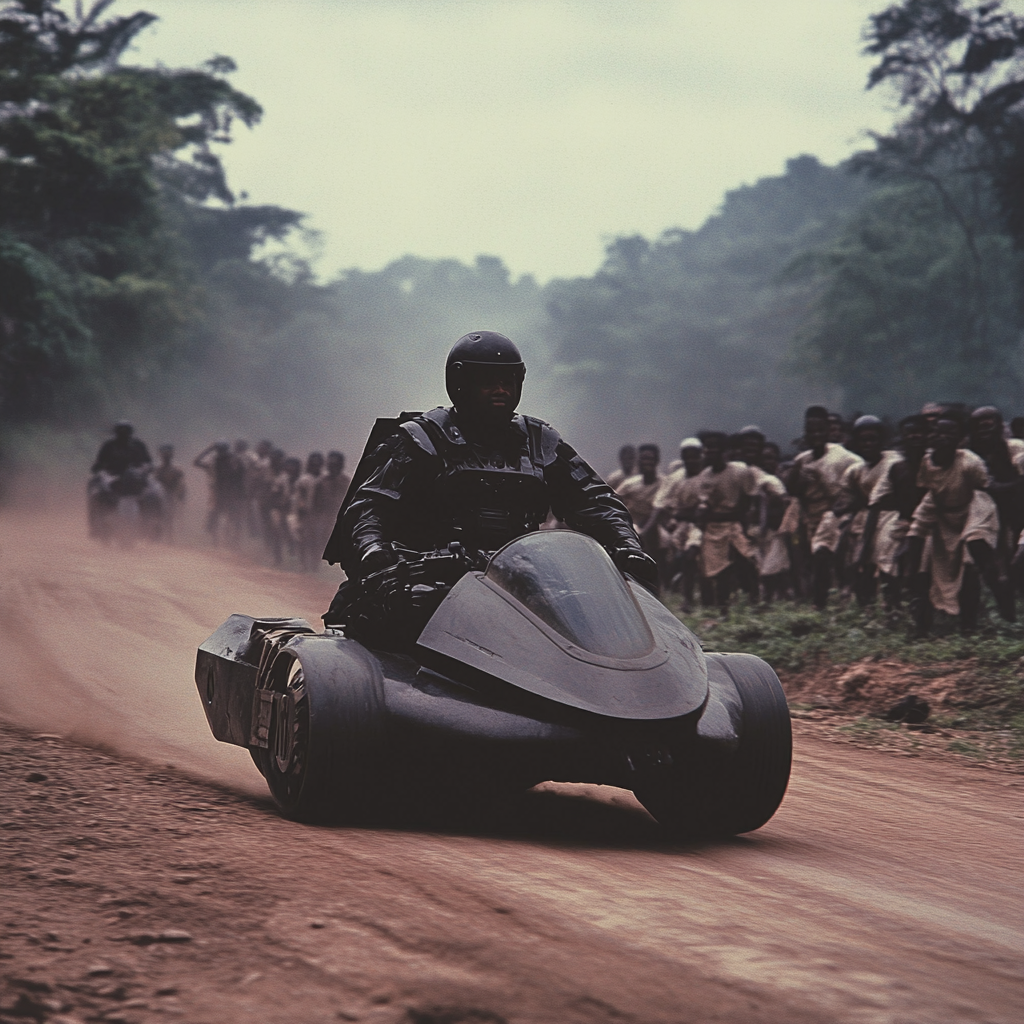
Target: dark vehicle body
(549, 665)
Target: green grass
(793, 638)
(867, 727)
(966, 748)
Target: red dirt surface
(886, 888)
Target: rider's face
(492, 394)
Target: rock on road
(886, 889)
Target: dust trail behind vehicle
(99, 643)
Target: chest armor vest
(486, 495)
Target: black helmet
(123, 428)
(476, 351)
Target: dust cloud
(317, 384)
(99, 643)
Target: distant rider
(122, 452)
(121, 470)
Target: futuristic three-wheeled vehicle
(546, 664)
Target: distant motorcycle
(127, 507)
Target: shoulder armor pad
(441, 418)
(549, 438)
(419, 436)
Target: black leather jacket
(436, 480)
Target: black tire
(713, 791)
(326, 738)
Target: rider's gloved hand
(377, 557)
(638, 564)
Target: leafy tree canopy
(691, 330)
(110, 183)
(958, 71)
(921, 297)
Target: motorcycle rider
(121, 452)
(121, 469)
(477, 473)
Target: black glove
(638, 564)
(377, 557)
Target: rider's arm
(102, 458)
(399, 476)
(581, 499)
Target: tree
(691, 330)
(958, 70)
(110, 184)
(922, 295)
(896, 319)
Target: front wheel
(717, 791)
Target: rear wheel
(326, 724)
(715, 791)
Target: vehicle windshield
(568, 581)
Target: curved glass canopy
(569, 582)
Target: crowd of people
(288, 504)
(923, 517)
(261, 493)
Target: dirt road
(886, 889)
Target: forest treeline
(134, 282)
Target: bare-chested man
(301, 521)
(227, 491)
(279, 502)
(331, 490)
(171, 479)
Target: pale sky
(533, 130)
